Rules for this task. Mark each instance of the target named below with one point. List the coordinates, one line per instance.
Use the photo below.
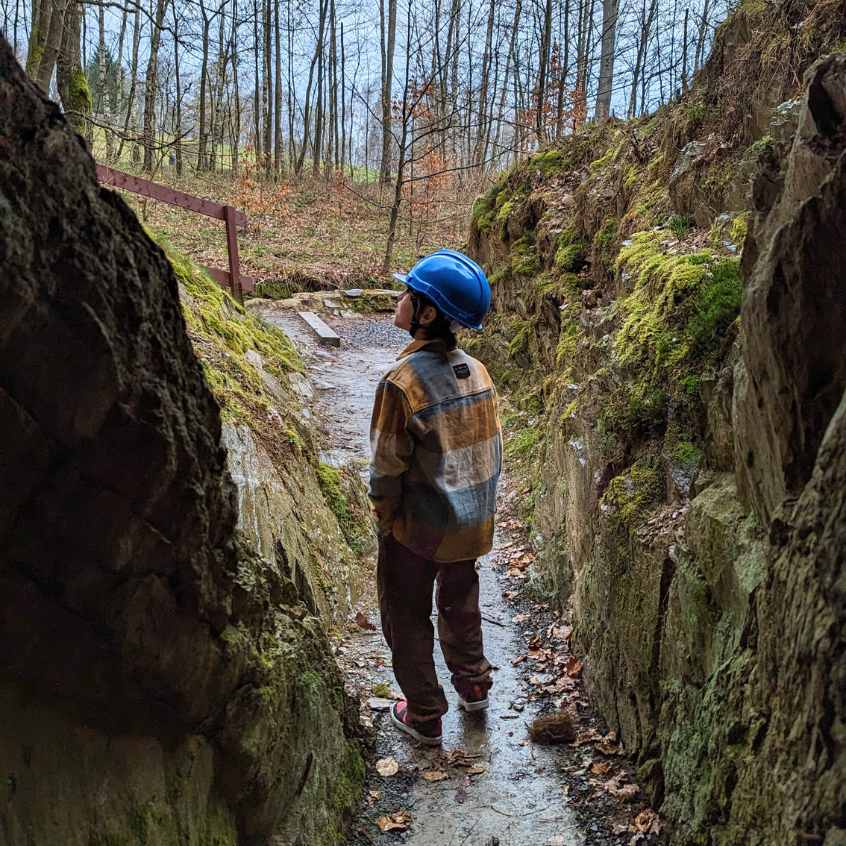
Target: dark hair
(439, 328)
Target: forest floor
(308, 234)
(490, 784)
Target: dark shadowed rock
(159, 681)
(793, 370)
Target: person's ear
(428, 314)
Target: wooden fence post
(229, 215)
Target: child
(436, 456)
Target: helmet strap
(415, 315)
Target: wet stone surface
(489, 784)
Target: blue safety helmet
(455, 284)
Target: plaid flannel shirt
(436, 447)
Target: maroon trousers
(405, 583)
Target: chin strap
(415, 317)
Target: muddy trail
(490, 784)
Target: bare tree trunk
(257, 80)
(133, 80)
(317, 146)
(610, 11)
(73, 87)
(543, 65)
(277, 112)
(344, 105)
(307, 104)
(703, 32)
(52, 19)
(202, 110)
(151, 83)
(643, 40)
(401, 161)
(388, 44)
(684, 51)
(512, 44)
(39, 27)
(291, 94)
(178, 106)
(101, 79)
(334, 66)
(478, 156)
(268, 88)
(236, 120)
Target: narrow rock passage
(498, 788)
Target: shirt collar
(418, 344)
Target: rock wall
(684, 454)
(160, 681)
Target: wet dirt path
(489, 785)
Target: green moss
(686, 454)
(679, 225)
(524, 256)
(738, 228)
(519, 342)
(524, 443)
(276, 289)
(485, 207)
(631, 494)
(632, 175)
(653, 331)
(354, 523)
(635, 410)
(603, 161)
(550, 162)
(716, 307)
(79, 92)
(223, 332)
(570, 252)
(295, 439)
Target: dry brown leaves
(363, 623)
(398, 821)
(553, 728)
(647, 822)
(387, 767)
(626, 792)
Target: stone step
(324, 334)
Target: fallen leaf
(518, 660)
(374, 795)
(553, 728)
(435, 775)
(600, 768)
(647, 822)
(477, 769)
(626, 792)
(363, 623)
(387, 767)
(574, 667)
(398, 821)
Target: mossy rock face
(176, 646)
(652, 410)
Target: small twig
(495, 622)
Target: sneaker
(473, 698)
(428, 733)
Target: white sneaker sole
(480, 705)
(420, 738)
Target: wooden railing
(232, 278)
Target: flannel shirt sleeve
(391, 447)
